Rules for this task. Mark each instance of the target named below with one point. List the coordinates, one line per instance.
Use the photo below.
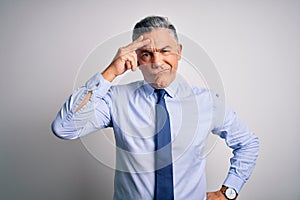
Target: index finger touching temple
(139, 43)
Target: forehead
(160, 38)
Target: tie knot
(160, 93)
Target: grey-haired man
(130, 110)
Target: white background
(255, 46)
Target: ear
(179, 49)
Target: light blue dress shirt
(130, 110)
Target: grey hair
(150, 23)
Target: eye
(146, 54)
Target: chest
(134, 123)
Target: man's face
(159, 60)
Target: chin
(161, 84)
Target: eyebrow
(149, 49)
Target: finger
(138, 43)
(139, 39)
(132, 58)
(133, 61)
(133, 66)
(131, 48)
(128, 64)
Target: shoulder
(199, 91)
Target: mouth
(162, 70)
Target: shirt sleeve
(94, 115)
(242, 141)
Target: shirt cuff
(98, 85)
(234, 182)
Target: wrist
(229, 193)
(108, 74)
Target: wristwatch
(229, 193)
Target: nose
(157, 59)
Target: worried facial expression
(158, 60)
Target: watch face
(230, 193)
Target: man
(160, 124)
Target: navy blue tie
(163, 147)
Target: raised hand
(125, 59)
